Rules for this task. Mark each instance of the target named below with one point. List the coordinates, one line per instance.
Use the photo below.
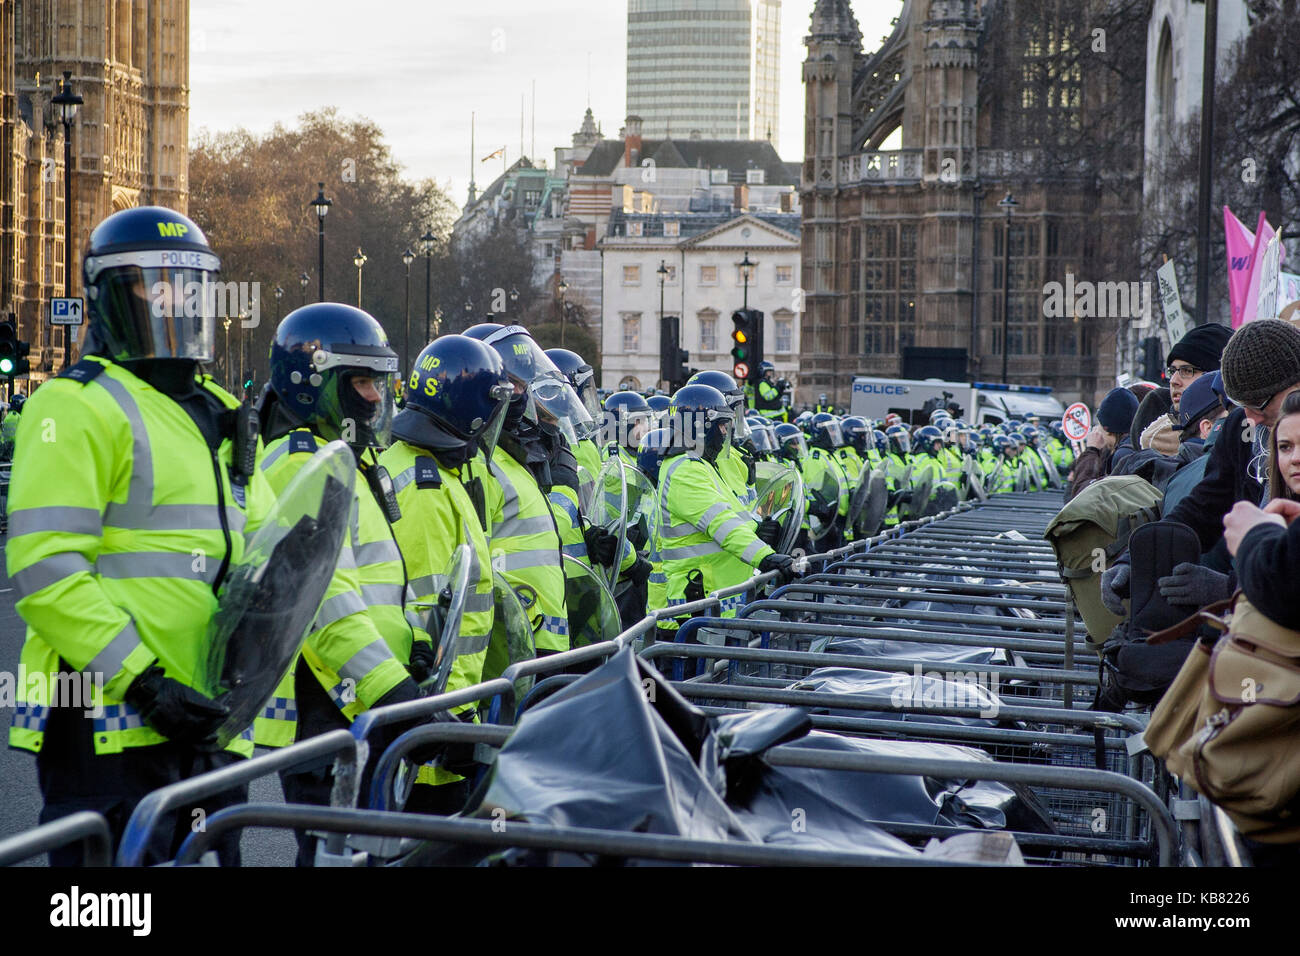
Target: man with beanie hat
(1260, 367)
(1114, 418)
(1197, 352)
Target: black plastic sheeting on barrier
(832, 806)
(620, 749)
(938, 688)
(914, 650)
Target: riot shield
(640, 507)
(609, 510)
(1022, 477)
(1053, 478)
(858, 497)
(824, 494)
(781, 497)
(922, 488)
(870, 516)
(765, 470)
(943, 499)
(512, 636)
(586, 488)
(593, 615)
(974, 479)
(270, 598)
(444, 623)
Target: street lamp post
(427, 242)
(514, 300)
(407, 258)
(563, 289)
(67, 101)
(226, 325)
(322, 206)
(359, 260)
(746, 272)
(469, 313)
(303, 281)
(1007, 204)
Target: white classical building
(703, 286)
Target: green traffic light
(6, 366)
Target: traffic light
(8, 349)
(747, 345)
(672, 357)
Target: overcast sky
(418, 68)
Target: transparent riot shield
(444, 623)
(765, 471)
(824, 495)
(974, 479)
(609, 510)
(1053, 478)
(586, 488)
(781, 497)
(593, 615)
(640, 507)
(512, 636)
(870, 502)
(270, 598)
(922, 489)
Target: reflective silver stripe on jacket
(139, 511)
(113, 657)
(506, 562)
(376, 552)
(157, 564)
(49, 571)
(337, 608)
(365, 660)
(56, 518)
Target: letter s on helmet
(148, 275)
(456, 398)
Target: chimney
(741, 203)
(632, 141)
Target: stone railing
(889, 166)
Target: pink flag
(1263, 233)
(1241, 256)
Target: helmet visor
(834, 433)
(160, 313)
(367, 407)
(558, 404)
(584, 383)
(797, 446)
(762, 440)
(736, 401)
(904, 443)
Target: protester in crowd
(1261, 367)
(1114, 419)
(1204, 408)
(1196, 353)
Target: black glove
(602, 547)
(1194, 585)
(694, 586)
(751, 473)
(423, 661)
(823, 513)
(1114, 588)
(781, 563)
(178, 712)
(640, 572)
(769, 531)
(900, 497)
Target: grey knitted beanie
(1261, 359)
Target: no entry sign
(1077, 421)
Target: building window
(783, 323)
(756, 177)
(632, 333)
(634, 229)
(718, 176)
(672, 229)
(631, 275)
(708, 331)
(708, 275)
(784, 275)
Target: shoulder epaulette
(87, 370)
(426, 473)
(302, 441)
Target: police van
(977, 403)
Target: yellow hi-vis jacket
(122, 525)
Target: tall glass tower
(710, 67)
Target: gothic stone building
(129, 60)
(903, 248)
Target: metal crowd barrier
(89, 828)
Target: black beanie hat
(1262, 358)
(1115, 414)
(1201, 347)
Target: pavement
(20, 798)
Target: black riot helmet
(540, 389)
(733, 393)
(580, 375)
(150, 280)
(333, 371)
(701, 420)
(456, 399)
